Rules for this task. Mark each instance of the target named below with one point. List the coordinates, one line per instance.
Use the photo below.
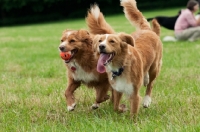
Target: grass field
(33, 81)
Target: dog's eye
(100, 41)
(61, 40)
(71, 41)
(112, 41)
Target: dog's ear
(95, 42)
(127, 38)
(84, 36)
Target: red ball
(65, 55)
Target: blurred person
(187, 27)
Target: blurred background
(15, 12)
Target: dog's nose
(61, 48)
(102, 47)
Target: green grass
(33, 81)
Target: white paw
(72, 107)
(95, 106)
(146, 101)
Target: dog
(81, 66)
(130, 60)
(166, 21)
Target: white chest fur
(120, 84)
(80, 75)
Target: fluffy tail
(156, 26)
(134, 15)
(96, 21)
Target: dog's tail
(96, 21)
(156, 26)
(135, 17)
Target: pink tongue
(101, 61)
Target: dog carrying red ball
(65, 55)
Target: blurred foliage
(30, 11)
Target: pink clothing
(184, 21)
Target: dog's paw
(72, 107)
(122, 108)
(95, 106)
(147, 101)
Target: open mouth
(108, 58)
(104, 59)
(73, 52)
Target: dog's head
(110, 47)
(75, 41)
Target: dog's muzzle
(62, 48)
(102, 48)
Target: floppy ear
(127, 39)
(84, 36)
(95, 42)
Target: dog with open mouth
(131, 60)
(81, 65)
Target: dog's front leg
(117, 97)
(135, 101)
(101, 94)
(69, 93)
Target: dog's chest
(79, 74)
(120, 84)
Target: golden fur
(96, 22)
(81, 68)
(138, 56)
